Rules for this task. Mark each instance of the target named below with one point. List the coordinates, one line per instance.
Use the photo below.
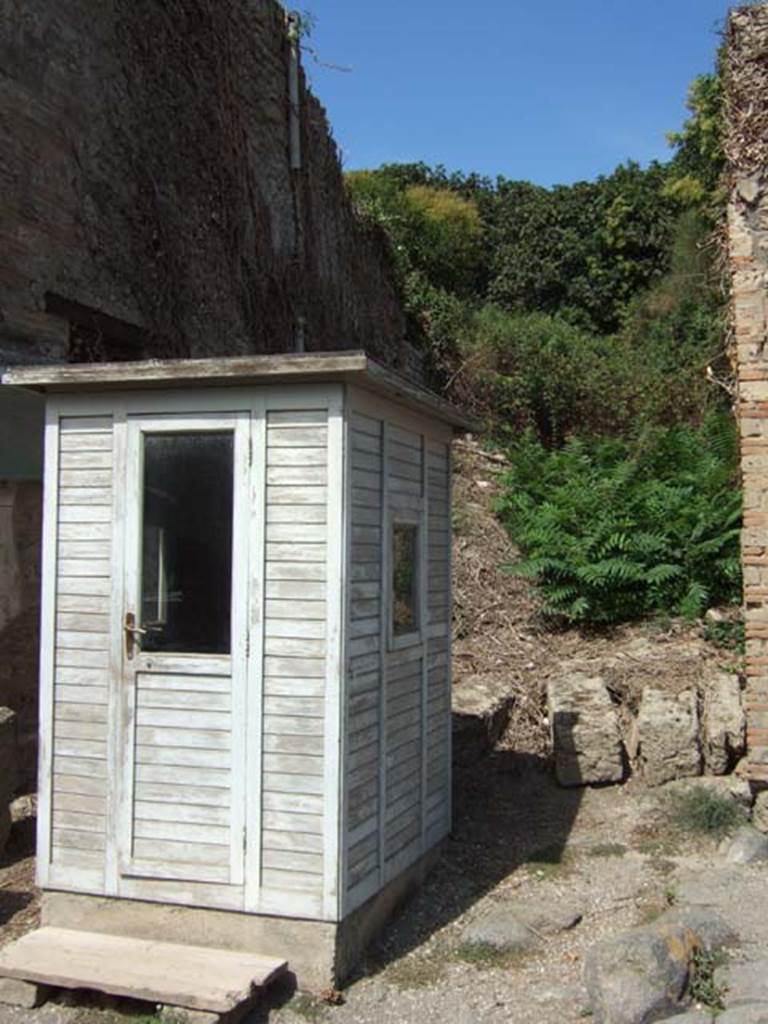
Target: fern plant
(611, 531)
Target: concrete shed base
(320, 954)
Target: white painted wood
(334, 694)
(47, 643)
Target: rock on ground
(516, 926)
(711, 930)
(749, 1013)
(760, 811)
(7, 770)
(640, 975)
(746, 983)
(747, 846)
(668, 736)
(723, 726)
(585, 731)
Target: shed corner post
(334, 846)
(47, 640)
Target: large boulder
(723, 724)
(7, 770)
(641, 975)
(514, 925)
(585, 731)
(747, 846)
(746, 983)
(667, 736)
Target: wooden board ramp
(196, 977)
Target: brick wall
(746, 143)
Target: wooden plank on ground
(197, 977)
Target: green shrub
(611, 531)
(704, 988)
(702, 811)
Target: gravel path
(517, 837)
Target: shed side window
(405, 578)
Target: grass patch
(652, 911)
(607, 850)
(308, 1007)
(728, 635)
(413, 972)
(484, 956)
(701, 811)
(704, 988)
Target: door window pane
(186, 559)
(405, 571)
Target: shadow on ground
(508, 812)
(15, 893)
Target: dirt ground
(612, 852)
(517, 835)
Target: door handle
(132, 632)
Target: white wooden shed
(245, 649)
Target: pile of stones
(674, 735)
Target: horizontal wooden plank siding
(438, 711)
(82, 638)
(181, 813)
(397, 754)
(363, 706)
(294, 653)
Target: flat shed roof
(352, 366)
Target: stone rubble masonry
(20, 530)
(585, 731)
(8, 775)
(747, 38)
(668, 736)
(133, 184)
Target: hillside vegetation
(586, 326)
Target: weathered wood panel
(77, 798)
(294, 651)
(398, 689)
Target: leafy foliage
(610, 532)
(434, 232)
(585, 325)
(583, 250)
(699, 159)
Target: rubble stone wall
(20, 529)
(145, 173)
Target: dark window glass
(186, 560)
(405, 572)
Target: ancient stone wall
(20, 525)
(149, 208)
(746, 144)
(145, 176)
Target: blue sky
(554, 92)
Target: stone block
(25, 994)
(667, 730)
(760, 811)
(723, 726)
(585, 731)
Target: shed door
(184, 652)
